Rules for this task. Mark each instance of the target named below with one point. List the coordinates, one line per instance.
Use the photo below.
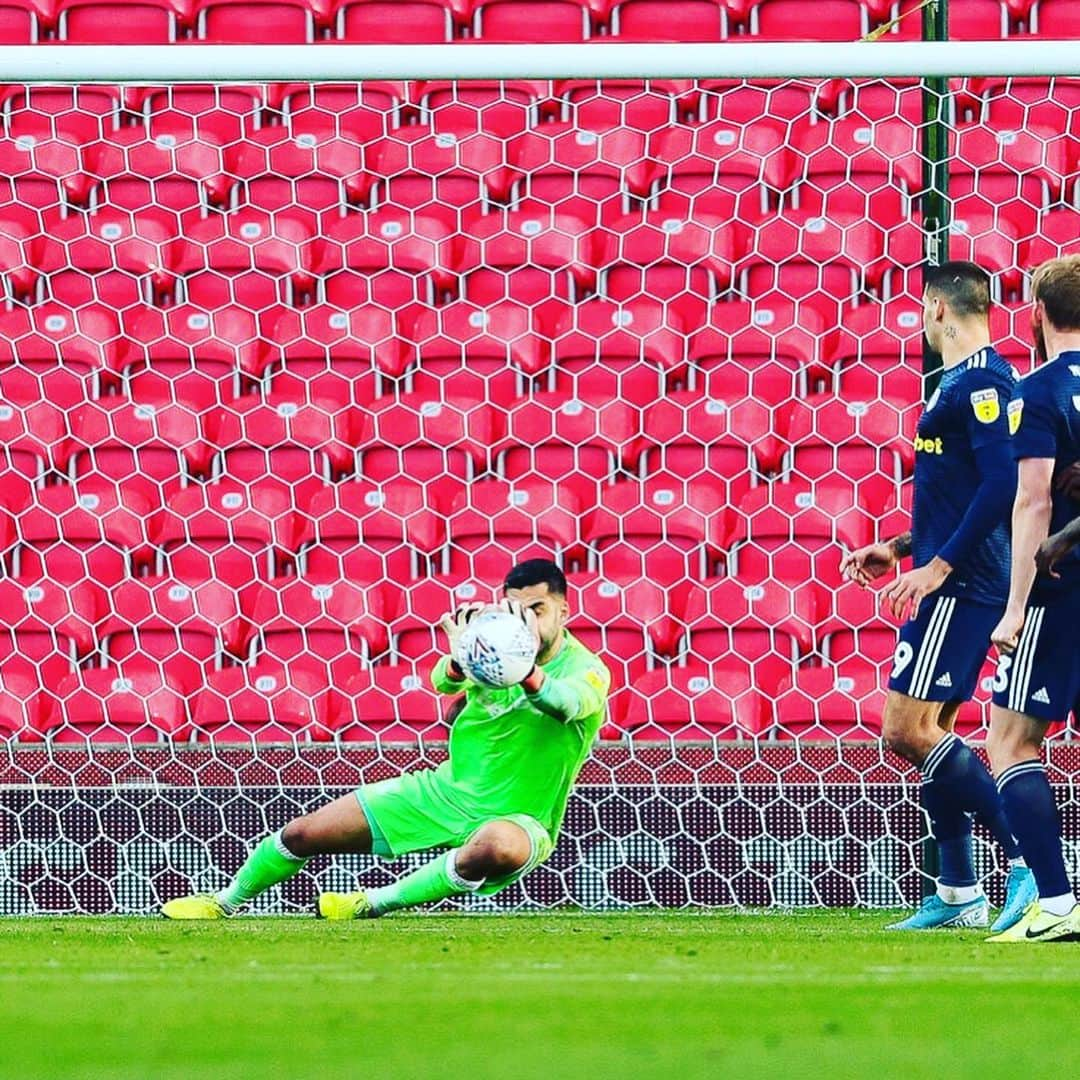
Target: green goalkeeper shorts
(416, 812)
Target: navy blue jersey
(965, 413)
(1045, 415)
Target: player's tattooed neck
(951, 332)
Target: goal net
(288, 369)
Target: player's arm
(865, 564)
(570, 697)
(1030, 524)
(1056, 547)
(1035, 448)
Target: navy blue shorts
(939, 655)
(1041, 677)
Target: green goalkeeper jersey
(518, 753)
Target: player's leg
(491, 857)
(937, 662)
(1036, 685)
(340, 826)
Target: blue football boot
(935, 914)
(1020, 892)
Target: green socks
(271, 862)
(435, 880)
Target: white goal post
(335, 63)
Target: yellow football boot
(1038, 925)
(349, 905)
(199, 906)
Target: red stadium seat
(68, 536)
(753, 357)
(685, 264)
(466, 351)
(531, 254)
(494, 522)
(700, 440)
(663, 529)
(1057, 235)
(696, 703)
(529, 21)
(264, 701)
(196, 358)
(391, 257)
(20, 700)
(879, 351)
(248, 257)
(32, 436)
(20, 259)
(501, 108)
(630, 351)
(294, 445)
(360, 112)
(703, 168)
(128, 704)
(597, 105)
(441, 174)
(761, 629)
(362, 532)
(866, 439)
(390, 705)
(268, 22)
(1013, 103)
(969, 20)
(314, 173)
(624, 621)
(345, 356)
(1055, 19)
(71, 114)
(333, 627)
(425, 438)
(397, 22)
(184, 629)
(18, 23)
(221, 112)
(856, 629)
(99, 22)
(681, 20)
(829, 703)
(45, 628)
(39, 174)
(414, 637)
(787, 20)
(166, 170)
(743, 102)
(232, 532)
(554, 437)
(111, 256)
(51, 353)
(588, 174)
(152, 449)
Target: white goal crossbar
(338, 63)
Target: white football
(497, 649)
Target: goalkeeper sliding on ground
(498, 801)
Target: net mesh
(287, 371)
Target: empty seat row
(435, 21)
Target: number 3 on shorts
(901, 658)
(1001, 676)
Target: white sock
(959, 894)
(1058, 905)
(1018, 861)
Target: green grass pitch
(678, 996)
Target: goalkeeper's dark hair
(537, 572)
(964, 285)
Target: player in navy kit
(964, 483)
(1038, 678)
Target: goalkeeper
(496, 803)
